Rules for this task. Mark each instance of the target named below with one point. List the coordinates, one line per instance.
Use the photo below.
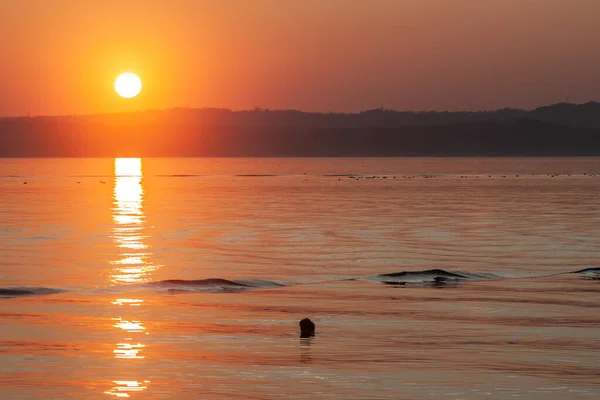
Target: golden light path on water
(129, 223)
(123, 388)
(132, 267)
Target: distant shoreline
(505, 110)
(560, 130)
(299, 157)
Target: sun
(128, 85)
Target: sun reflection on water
(129, 302)
(130, 348)
(123, 388)
(129, 326)
(129, 219)
(132, 266)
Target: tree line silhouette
(558, 130)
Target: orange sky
(62, 56)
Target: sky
(61, 57)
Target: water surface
(186, 278)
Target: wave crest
(212, 285)
(431, 277)
(18, 291)
(589, 273)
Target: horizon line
(267, 109)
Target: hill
(558, 130)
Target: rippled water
(186, 278)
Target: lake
(427, 278)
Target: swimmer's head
(307, 328)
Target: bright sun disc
(128, 85)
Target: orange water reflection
(130, 348)
(132, 266)
(129, 326)
(129, 224)
(124, 388)
(129, 302)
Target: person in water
(307, 328)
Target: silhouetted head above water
(307, 328)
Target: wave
(589, 273)
(438, 277)
(212, 285)
(431, 277)
(19, 291)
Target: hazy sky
(62, 56)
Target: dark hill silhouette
(557, 130)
